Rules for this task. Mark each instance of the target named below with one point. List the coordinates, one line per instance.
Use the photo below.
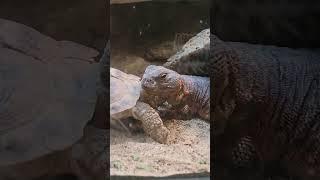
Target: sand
(138, 155)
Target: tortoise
(128, 100)
(48, 96)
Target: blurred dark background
(134, 24)
(81, 21)
(282, 22)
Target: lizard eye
(163, 75)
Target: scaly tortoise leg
(151, 122)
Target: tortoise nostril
(148, 80)
(147, 83)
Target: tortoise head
(161, 81)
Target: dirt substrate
(138, 155)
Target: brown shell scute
(47, 92)
(124, 91)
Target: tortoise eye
(163, 75)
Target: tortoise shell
(124, 91)
(47, 92)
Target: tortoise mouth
(160, 90)
(151, 91)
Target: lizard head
(161, 81)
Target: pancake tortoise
(127, 100)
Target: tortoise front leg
(151, 122)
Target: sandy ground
(139, 155)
